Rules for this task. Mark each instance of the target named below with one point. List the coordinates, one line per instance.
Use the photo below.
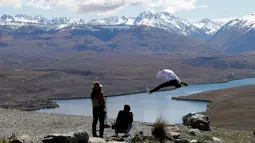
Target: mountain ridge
(236, 36)
(120, 39)
(163, 20)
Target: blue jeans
(118, 130)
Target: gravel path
(37, 125)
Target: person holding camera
(123, 122)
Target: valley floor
(32, 82)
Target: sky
(94, 9)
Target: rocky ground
(38, 125)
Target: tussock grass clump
(158, 128)
(3, 140)
(8, 140)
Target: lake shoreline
(162, 90)
(184, 98)
(54, 105)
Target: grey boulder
(197, 121)
(73, 137)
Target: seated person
(124, 121)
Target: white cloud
(174, 5)
(43, 4)
(14, 3)
(106, 6)
(9, 2)
(96, 6)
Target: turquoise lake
(148, 107)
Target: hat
(97, 85)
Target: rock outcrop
(21, 139)
(194, 132)
(197, 121)
(74, 137)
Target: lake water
(148, 107)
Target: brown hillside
(232, 108)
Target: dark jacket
(123, 119)
(97, 97)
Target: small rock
(139, 137)
(101, 140)
(81, 137)
(96, 140)
(176, 135)
(22, 139)
(174, 128)
(215, 139)
(172, 133)
(193, 141)
(181, 141)
(195, 132)
(168, 142)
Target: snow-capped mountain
(243, 24)
(65, 20)
(209, 26)
(233, 37)
(236, 36)
(25, 18)
(169, 22)
(114, 20)
(7, 17)
(163, 20)
(21, 20)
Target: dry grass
(231, 108)
(9, 139)
(160, 122)
(158, 128)
(231, 136)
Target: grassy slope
(231, 108)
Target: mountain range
(235, 36)
(162, 20)
(126, 39)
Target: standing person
(171, 80)
(99, 108)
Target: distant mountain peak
(236, 36)
(209, 26)
(166, 13)
(7, 17)
(205, 20)
(241, 24)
